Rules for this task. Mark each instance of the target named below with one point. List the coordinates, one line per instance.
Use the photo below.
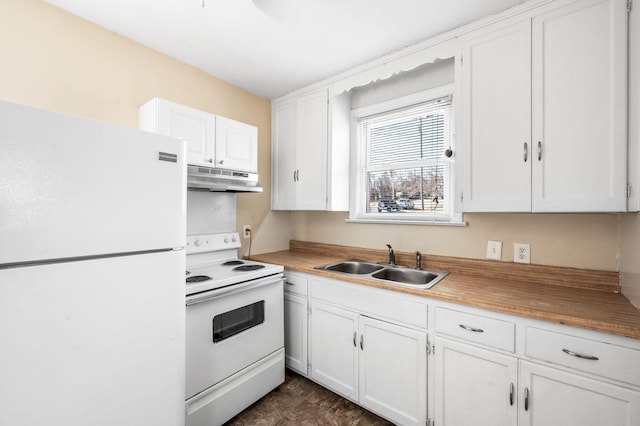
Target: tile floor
(299, 401)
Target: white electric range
(234, 329)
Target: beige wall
(54, 60)
(574, 240)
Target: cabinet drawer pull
(354, 340)
(526, 152)
(526, 399)
(511, 392)
(581, 356)
(362, 342)
(469, 328)
(288, 283)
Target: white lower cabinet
(485, 388)
(380, 365)
(296, 307)
(483, 378)
(334, 355)
(551, 397)
(486, 368)
(474, 386)
(393, 371)
(295, 332)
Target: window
(403, 171)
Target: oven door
(231, 328)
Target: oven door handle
(232, 289)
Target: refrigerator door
(95, 342)
(76, 187)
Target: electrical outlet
(246, 231)
(494, 250)
(521, 253)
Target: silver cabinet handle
(511, 392)
(298, 175)
(362, 342)
(526, 152)
(581, 356)
(469, 328)
(354, 340)
(294, 175)
(526, 399)
(288, 283)
(539, 150)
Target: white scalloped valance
(394, 66)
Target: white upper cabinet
(310, 153)
(496, 117)
(212, 141)
(299, 153)
(236, 145)
(580, 107)
(543, 111)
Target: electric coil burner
(234, 329)
(248, 268)
(197, 279)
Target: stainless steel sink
(402, 275)
(357, 267)
(391, 274)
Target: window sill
(399, 221)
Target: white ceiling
(272, 47)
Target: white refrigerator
(92, 308)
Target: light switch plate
(494, 250)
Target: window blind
(416, 133)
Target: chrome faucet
(418, 260)
(392, 255)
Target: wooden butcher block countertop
(578, 297)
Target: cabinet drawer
(603, 359)
(295, 284)
(477, 329)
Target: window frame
(359, 153)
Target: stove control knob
(197, 243)
(234, 239)
(226, 239)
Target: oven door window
(238, 320)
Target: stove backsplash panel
(210, 212)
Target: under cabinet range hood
(221, 180)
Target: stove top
(212, 263)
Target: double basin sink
(392, 274)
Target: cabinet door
(474, 386)
(579, 107)
(283, 157)
(334, 358)
(393, 371)
(496, 119)
(311, 152)
(236, 145)
(196, 127)
(295, 332)
(550, 397)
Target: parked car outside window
(387, 204)
(405, 204)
